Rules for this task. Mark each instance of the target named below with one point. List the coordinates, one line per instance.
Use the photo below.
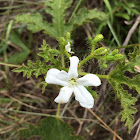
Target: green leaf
(135, 53)
(92, 92)
(21, 56)
(116, 79)
(57, 9)
(44, 84)
(37, 68)
(49, 54)
(50, 129)
(123, 15)
(35, 23)
(84, 16)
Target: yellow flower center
(72, 82)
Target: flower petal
(64, 95)
(68, 48)
(62, 75)
(53, 77)
(83, 96)
(73, 73)
(89, 80)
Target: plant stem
(89, 57)
(67, 54)
(58, 110)
(132, 45)
(62, 60)
(93, 48)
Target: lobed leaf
(36, 68)
(57, 9)
(50, 129)
(49, 54)
(116, 79)
(84, 16)
(35, 23)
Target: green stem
(93, 48)
(62, 60)
(67, 54)
(100, 76)
(128, 46)
(58, 110)
(89, 57)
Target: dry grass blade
(108, 128)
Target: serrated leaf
(50, 129)
(49, 54)
(84, 16)
(116, 79)
(57, 9)
(135, 53)
(35, 23)
(37, 68)
(44, 84)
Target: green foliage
(116, 79)
(36, 68)
(35, 23)
(104, 55)
(59, 27)
(49, 54)
(125, 9)
(50, 129)
(84, 16)
(15, 38)
(100, 51)
(40, 67)
(44, 84)
(93, 93)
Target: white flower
(71, 84)
(68, 48)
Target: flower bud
(97, 39)
(115, 51)
(68, 36)
(100, 51)
(118, 57)
(104, 65)
(110, 58)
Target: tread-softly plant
(116, 77)
(52, 58)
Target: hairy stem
(89, 57)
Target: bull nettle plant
(116, 77)
(53, 63)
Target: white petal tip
(87, 105)
(68, 48)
